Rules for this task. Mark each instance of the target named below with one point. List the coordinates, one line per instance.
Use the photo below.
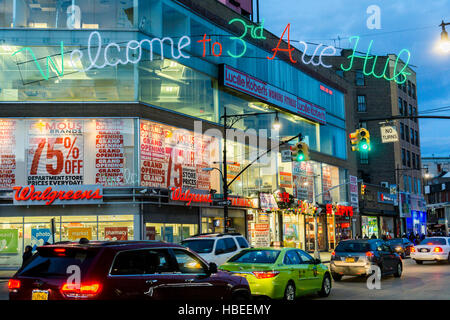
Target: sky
(405, 24)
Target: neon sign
(133, 52)
(28, 193)
(366, 58)
(188, 196)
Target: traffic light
(360, 140)
(364, 140)
(354, 138)
(300, 152)
(363, 189)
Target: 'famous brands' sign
(243, 82)
(43, 195)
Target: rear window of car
(433, 241)
(353, 246)
(242, 242)
(395, 242)
(230, 245)
(255, 256)
(199, 246)
(49, 264)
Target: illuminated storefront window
(369, 226)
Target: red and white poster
(55, 152)
(116, 233)
(150, 233)
(7, 153)
(172, 157)
(109, 152)
(285, 180)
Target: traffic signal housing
(363, 189)
(300, 152)
(360, 140)
(364, 140)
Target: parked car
(356, 258)
(216, 247)
(123, 270)
(432, 249)
(280, 272)
(402, 246)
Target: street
(429, 281)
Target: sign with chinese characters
(44, 195)
(250, 85)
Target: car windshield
(433, 241)
(199, 246)
(353, 246)
(46, 264)
(256, 256)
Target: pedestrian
(422, 237)
(373, 236)
(384, 237)
(27, 254)
(366, 237)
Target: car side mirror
(317, 261)
(212, 267)
(220, 251)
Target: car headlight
(398, 248)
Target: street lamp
(444, 43)
(236, 118)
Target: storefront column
(138, 223)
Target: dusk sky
(405, 24)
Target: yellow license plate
(350, 260)
(39, 295)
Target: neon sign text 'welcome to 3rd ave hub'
(133, 53)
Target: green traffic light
(300, 157)
(364, 145)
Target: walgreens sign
(243, 82)
(44, 195)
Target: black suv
(357, 258)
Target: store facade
(142, 125)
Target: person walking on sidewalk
(27, 254)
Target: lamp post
(236, 118)
(445, 43)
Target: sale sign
(116, 233)
(7, 153)
(173, 157)
(109, 153)
(55, 152)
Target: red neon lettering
(285, 50)
(204, 40)
(214, 52)
(28, 193)
(188, 197)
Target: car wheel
(241, 296)
(398, 271)
(326, 286)
(336, 277)
(289, 292)
(419, 262)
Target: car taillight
(265, 274)
(13, 284)
(60, 252)
(369, 254)
(413, 249)
(438, 249)
(80, 291)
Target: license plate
(349, 259)
(424, 250)
(39, 295)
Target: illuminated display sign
(325, 89)
(189, 196)
(43, 195)
(386, 198)
(243, 82)
(339, 210)
(131, 52)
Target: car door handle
(189, 280)
(151, 281)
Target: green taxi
(280, 273)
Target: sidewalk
(6, 274)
